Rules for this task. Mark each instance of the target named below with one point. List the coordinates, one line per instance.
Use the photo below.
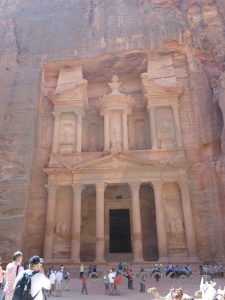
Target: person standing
(84, 285)
(81, 271)
(67, 279)
(90, 270)
(120, 267)
(106, 283)
(111, 277)
(12, 270)
(52, 281)
(39, 279)
(58, 282)
(142, 281)
(118, 282)
(130, 280)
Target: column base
(138, 260)
(164, 259)
(73, 260)
(100, 262)
(193, 259)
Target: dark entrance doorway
(119, 224)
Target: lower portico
(90, 183)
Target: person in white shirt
(39, 280)
(58, 282)
(111, 277)
(52, 280)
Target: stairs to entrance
(117, 257)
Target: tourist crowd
(52, 278)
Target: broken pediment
(112, 161)
(75, 95)
(153, 90)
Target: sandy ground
(96, 290)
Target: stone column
(151, 111)
(106, 132)
(160, 221)
(50, 222)
(125, 131)
(79, 132)
(131, 132)
(136, 223)
(188, 220)
(76, 222)
(100, 213)
(177, 125)
(55, 139)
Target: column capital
(79, 111)
(134, 186)
(184, 183)
(151, 108)
(157, 184)
(78, 187)
(175, 106)
(56, 114)
(52, 187)
(100, 186)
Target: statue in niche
(116, 139)
(177, 232)
(115, 84)
(67, 134)
(62, 230)
(92, 146)
(167, 139)
(116, 133)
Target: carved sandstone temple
(112, 140)
(110, 173)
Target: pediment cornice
(112, 161)
(155, 90)
(76, 95)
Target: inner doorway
(119, 224)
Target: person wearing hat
(39, 280)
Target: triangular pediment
(112, 161)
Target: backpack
(23, 287)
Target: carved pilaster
(136, 222)
(151, 111)
(188, 219)
(100, 235)
(160, 220)
(76, 222)
(55, 139)
(50, 220)
(177, 125)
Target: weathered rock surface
(39, 37)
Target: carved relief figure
(166, 139)
(116, 133)
(92, 145)
(177, 232)
(115, 84)
(67, 134)
(62, 230)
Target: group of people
(56, 277)
(15, 271)
(113, 280)
(213, 271)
